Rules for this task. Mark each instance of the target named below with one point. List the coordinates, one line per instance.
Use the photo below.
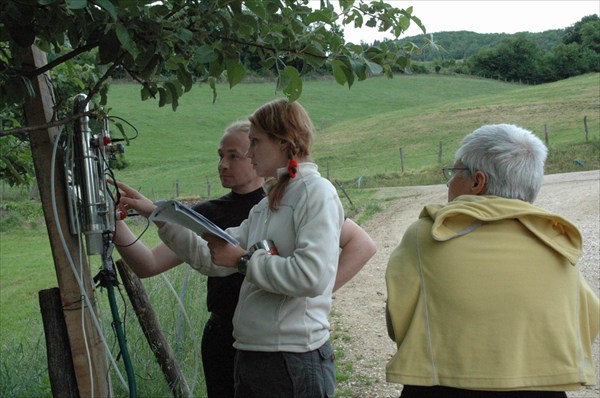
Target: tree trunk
(60, 364)
(38, 111)
(153, 332)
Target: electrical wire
(130, 125)
(139, 236)
(72, 264)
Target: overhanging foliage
(168, 45)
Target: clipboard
(176, 212)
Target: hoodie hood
(467, 212)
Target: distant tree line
(526, 57)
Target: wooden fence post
(176, 188)
(345, 193)
(63, 381)
(440, 153)
(585, 127)
(153, 332)
(401, 160)
(546, 133)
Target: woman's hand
(132, 199)
(222, 252)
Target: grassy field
(360, 133)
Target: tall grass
(357, 145)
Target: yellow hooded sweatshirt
(484, 293)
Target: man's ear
(479, 184)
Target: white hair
(511, 157)
(241, 126)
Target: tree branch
(94, 90)
(60, 60)
(272, 49)
(26, 129)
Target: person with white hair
(485, 298)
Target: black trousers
(218, 356)
(280, 374)
(449, 392)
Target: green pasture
(360, 130)
(359, 136)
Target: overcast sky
(487, 16)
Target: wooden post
(63, 382)
(440, 153)
(345, 193)
(207, 188)
(328, 169)
(546, 133)
(401, 160)
(176, 188)
(153, 332)
(38, 111)
(585, 127)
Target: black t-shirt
(227, 211)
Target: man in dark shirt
(236, 173)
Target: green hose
(122, 343)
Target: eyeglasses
(449, 172)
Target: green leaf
(343, 66)
(173, 62)
(358, 21)
(374, 68)
(235, 72)
(323, 15)
(76, 4)
(257, 7)
(292, 84)
(108, 7)
(213, 86)
(245, 24)
(267, 63)
(145, 93)
(185, 78)
(338, 72)
(402, 62)
(205, 54)
(122, 131)
(150, 68)
(104, 94)
(185, 35)
(174, 90)
(314, 55)
(360, 70)
(164, 97)
(175, 85)
(126, 41)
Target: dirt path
(359, 306)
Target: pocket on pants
(327, 352)
(312, 373)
